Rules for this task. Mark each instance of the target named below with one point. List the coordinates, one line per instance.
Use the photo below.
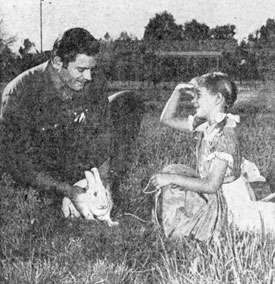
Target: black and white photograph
(137, 142)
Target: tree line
(131, 59)
(163, 27)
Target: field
(38, 245)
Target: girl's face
(204, 102)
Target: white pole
(41, 33)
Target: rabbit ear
(81, 183)
(90, 178)
(96, 175)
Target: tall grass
(39, 246)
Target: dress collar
(232, 121)
(231, 117)
(212, 130)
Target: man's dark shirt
(47, 127)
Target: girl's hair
(218, 82)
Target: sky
(21, 18)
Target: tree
(107, 37)
(267, 32)
(196, 31)
(7, 57)
(30, 56)
(162, 27)
(5, 40)
(225, 32)
(125, 37)
(253, 38)
(29, 48)
(8, 66)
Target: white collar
(231, 122)
(233, 117)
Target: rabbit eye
(95, 194)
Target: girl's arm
(201, 185)
(168, 115)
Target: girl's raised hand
(160, 180)
(185, 86)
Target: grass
(39, 246)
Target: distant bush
(12, 65)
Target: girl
(193, 201)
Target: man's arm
(126, 113)
(47, 182)
(16, 144)
(17, 162)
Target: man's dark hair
(72, 42)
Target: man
(57, 121)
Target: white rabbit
(95, 202)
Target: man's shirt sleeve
(16, 134)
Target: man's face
(78, 72)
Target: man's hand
(73, 193)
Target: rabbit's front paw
(89, 216)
